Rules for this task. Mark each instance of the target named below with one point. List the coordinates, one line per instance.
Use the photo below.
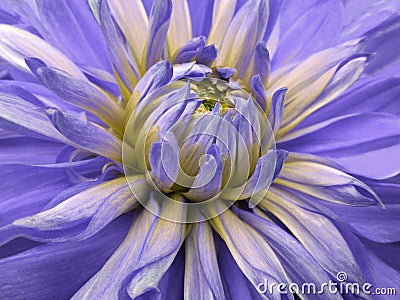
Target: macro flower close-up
(199, 149)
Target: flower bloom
(197, 149)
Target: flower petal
(371, 222)
(236, 284)
(127, 75)
(78, 216)
(208, 181)
(16, 44)
(20, 194)
(299, 264)
(27, 150)
(42, 272)
(84, 44)
(244, 32)
(253, 255)
(345, 75)
(315, 232)
(140, 262)
(131, 14)
(164, 162)
(202, 278)
(79, 93)
(364, 144)
(222, 15)
(159, 23)
(21, 116)
(189, 50)
(180, 28)
(306, 28)
(319, 178)
(87, 135)
(276, 109)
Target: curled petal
(87, 135)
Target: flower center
(199, 140)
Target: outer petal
(252, 254)
(180, 28)
(202, 278)
(20, 194)
(246, 29)
(131, 15)
(299, 107)
(127, 75)
(140, 262)
(87, 135)
(84, 44)
(364, 144)
(16, 44)
(236, 284)
(68, 219)
(318, 178)
(27, 150)
(79, 93)
(42, 272)
(317, 234)
(301, 267)
(305, 28)
(223, 12)
(159, 23)
(21, 116)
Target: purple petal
(235, 283)
(78, 216)
(323, 179)
(208, 181)
(202, 277)
(42, 272)
(87, 135)
(207, 55)
(246, 29)
(251, 252)
(20, 193)
(262, 62)
(157, 76)
(79, 93)
(159, 23)
(190, 50)
(164, 162)
(259, 91)
(365, 144)
(376, 95)
(27, 150)
(300, 265)
(20, 115)
(306, 28)
(315, 232)
(84, 44)
(140, 262)
(117, 51)
(378, 224)
(18, 44)
(200, 12)
(276, 109)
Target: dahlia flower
(182, 149)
